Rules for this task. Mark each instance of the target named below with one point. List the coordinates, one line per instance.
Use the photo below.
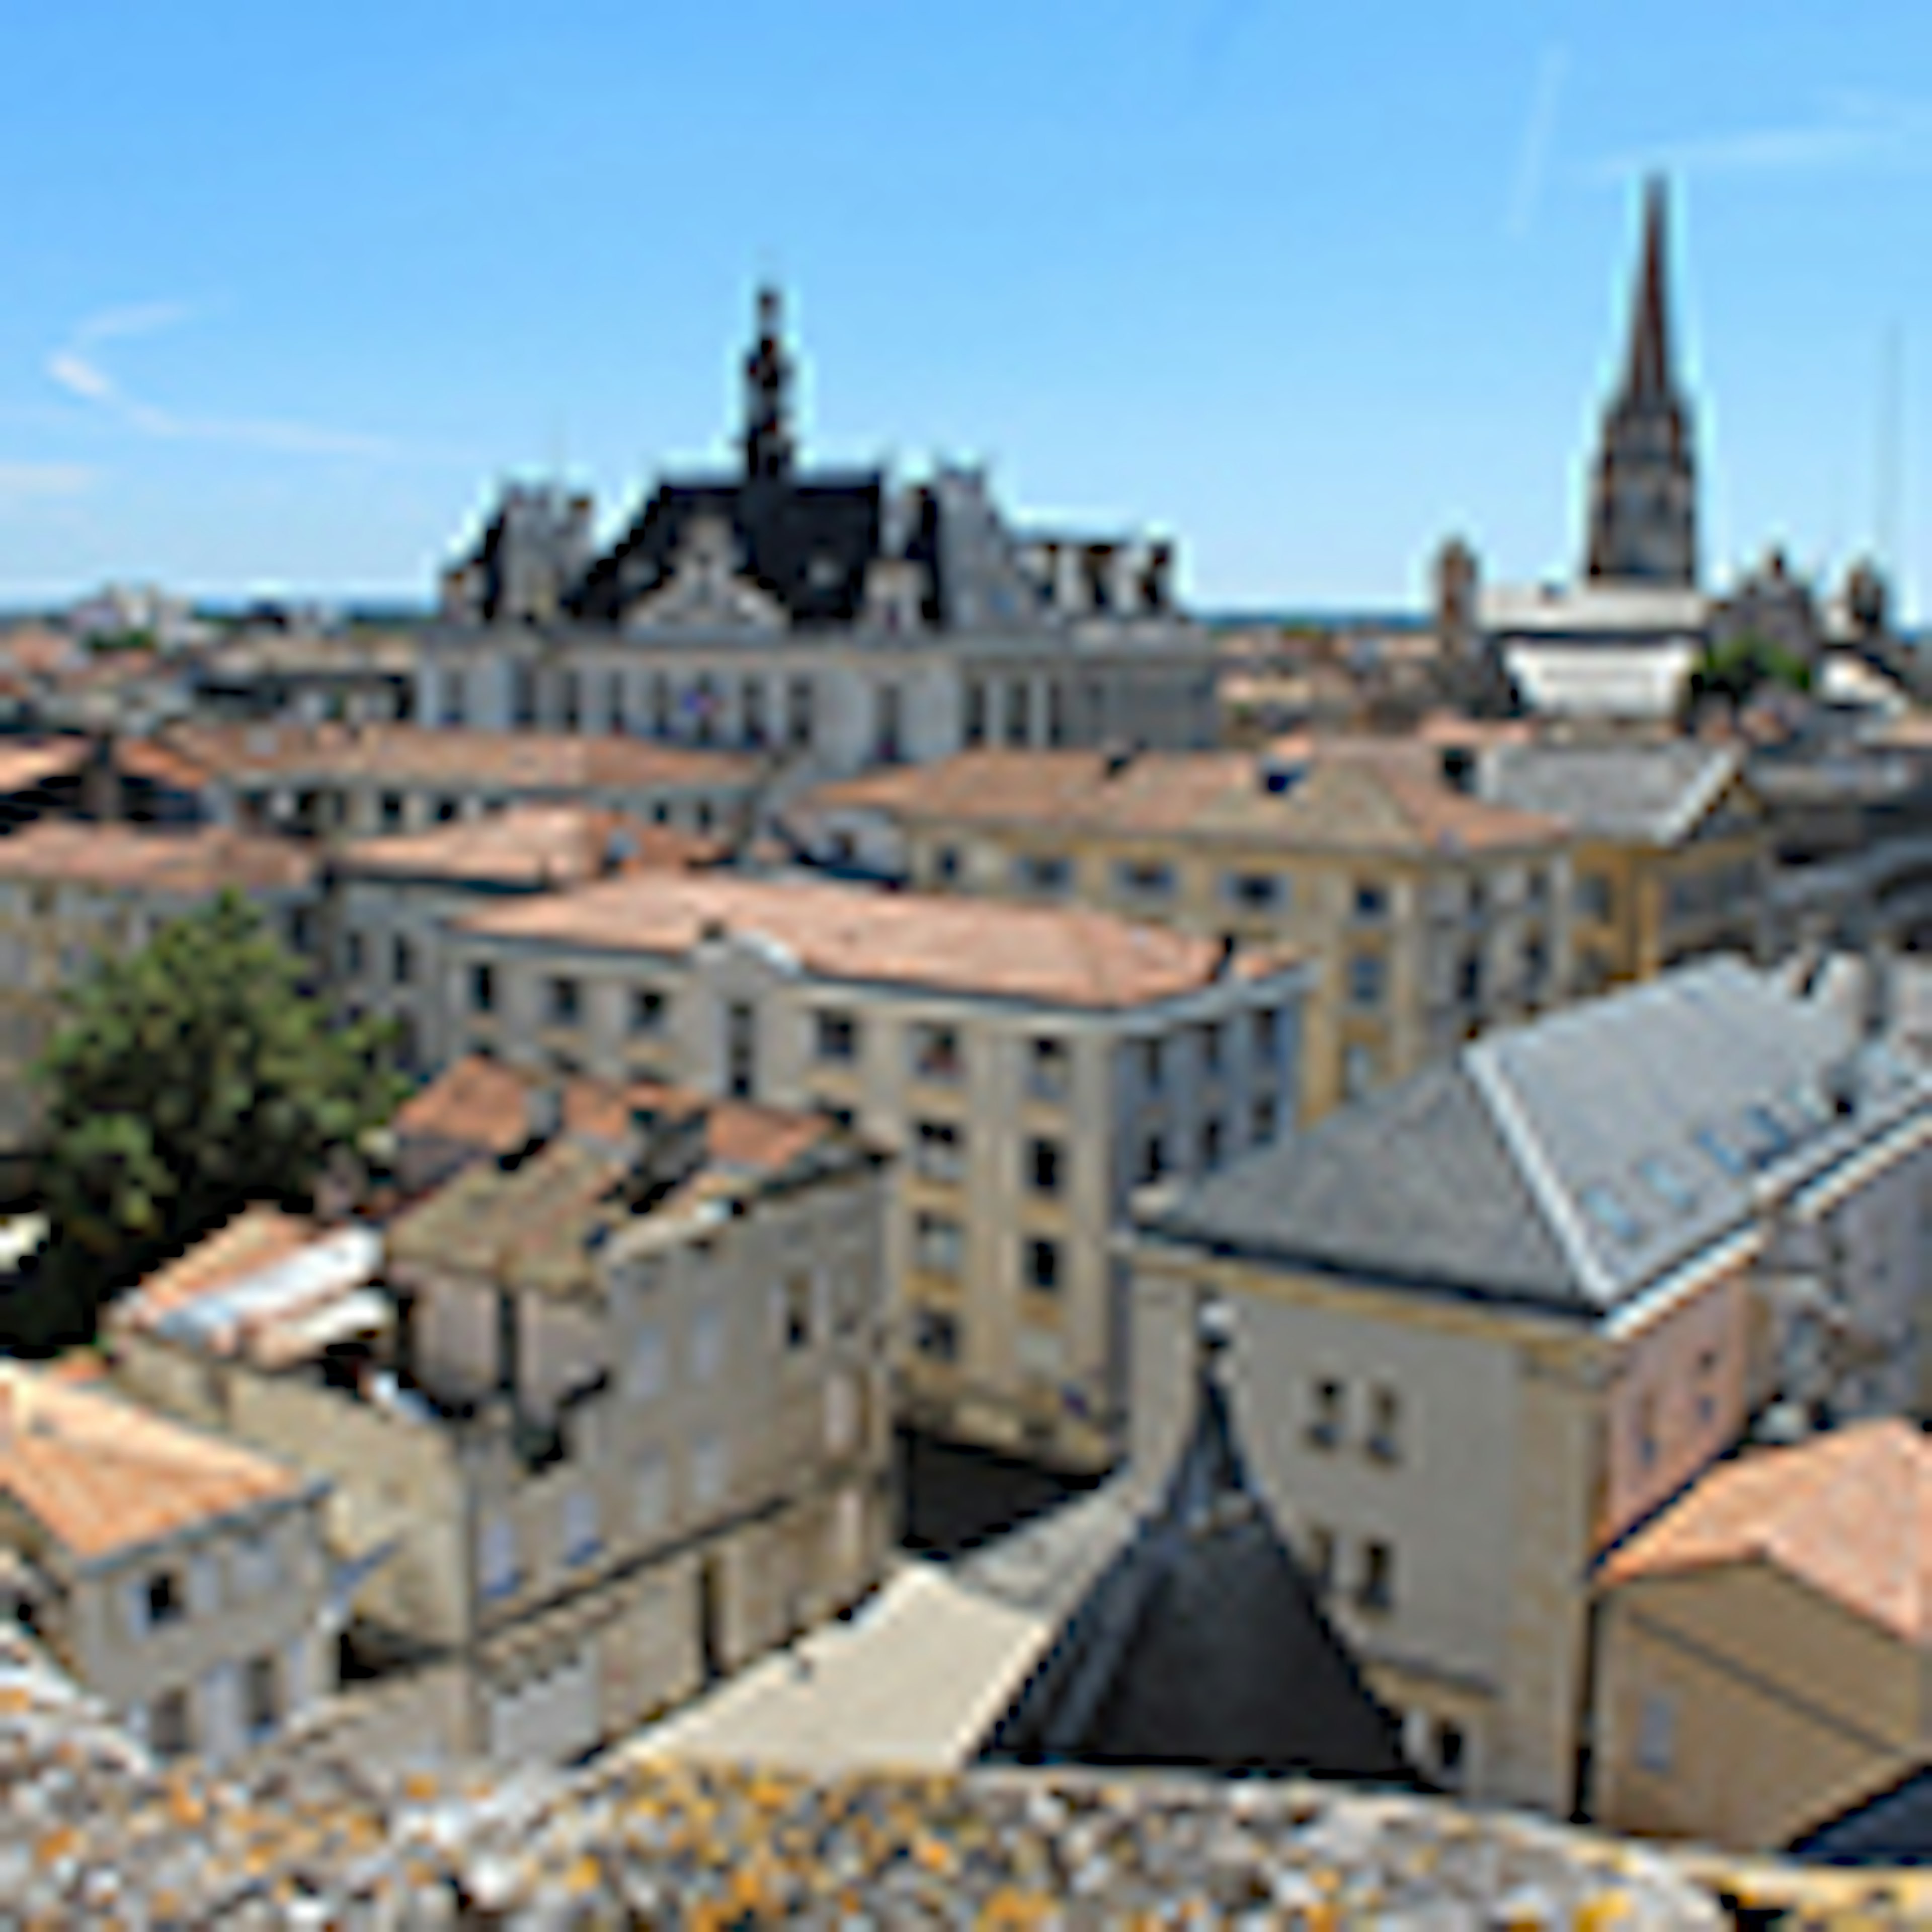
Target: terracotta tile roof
(1849, 1513)
(99, 1474)
(24, 766)
(1056, 955)
(149, 758)
(1357, 795)
(414, 754)
(39, 651)
(256, 1238)
(199, 861)
(533, 845)
(483, 1104)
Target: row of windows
(1150, 881)
(939, 1154)
(1155, 1161)
(1366, 1577)
(170, 1724)
(939, 1248)
(167, 1595)
(768, 712)
(1377, 1429)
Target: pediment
(706, 590)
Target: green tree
(188, 1079)
(1741, 667)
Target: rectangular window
(837, 1037)
(935, 1334)
(973, 730)
(707, 1342)
(939, 1152)
(447, 810)
(392, 810)
(1019, 711)
(710, 1471)
(1211, 1145)
(1318, 1555)
(352, 954)
(1152, 1065)
(1376, 1590)
(795, 1314)
(936, 1053)
(581, 1537)
(522, 695)
(455, 703)
(1041, 1258)
(1255, 892)
(648, 1007)
(1267, 1026)
(936, 1245)
(798, 723)
(1594, 896)
(1210, 1048)
(261, 1696)
(170, 1725)
(565, 1001)
(1044, 874)
(1367, 977)
(946, 867)
(1324, 1414)
(651, 1496)
(741, 1051)
(166, 1604)
(1049, 1067)
(1153, 1161)
(1384, 1438)
(1359, 1071)
(1046, 1166)
(1452, 1754)
(1371, 900)
(1144, 879)
(1657, 1733)
(482, 989)
(649, 1368)
(402, 961)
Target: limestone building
(1488, 1322)
(626, 1428)
(1031, 1064)
(838, 617)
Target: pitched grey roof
(1652, 791)
(1571, 1161)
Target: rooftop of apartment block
(198, 859)
(530, 846)
(1057, 956)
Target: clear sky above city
(284, 290)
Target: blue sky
(283, 289)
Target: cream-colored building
(1426, 914)
(628, 1429)
(71, 893)
(392, 898)
(1491, 1320)
(181, 1579)
(358, 781)
(1762, 1649)
(1031, 1065)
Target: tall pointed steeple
(1643, 505)
(768, 442)
(1649, 372)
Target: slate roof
(1202, 1644)
(1653, 792)
(807, 541)
(1892, 1826)
(1570, 1161)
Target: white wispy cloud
(76, 367)
(29, 482)
(1849, 131)
(1539, 134)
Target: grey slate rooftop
(1650, 791)
(1571, 1161)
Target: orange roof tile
(484, 1103)
(199, 861)
(256, 1238)
(1055, 956)
(532, 845)
(147, 758)
(527, 761)
(24, 767)
(1362, 795)
(1849, 1513)
(99, 1474)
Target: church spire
(1649, 375)
(768, 443)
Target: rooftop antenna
(1891, 488)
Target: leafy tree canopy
(188, 1079)
(1741, 667)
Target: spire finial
(768, 446)
(1650, 321)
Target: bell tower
(1643, 507)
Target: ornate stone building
(836, 618)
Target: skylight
(1602, 1206)
(1665, 1181)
